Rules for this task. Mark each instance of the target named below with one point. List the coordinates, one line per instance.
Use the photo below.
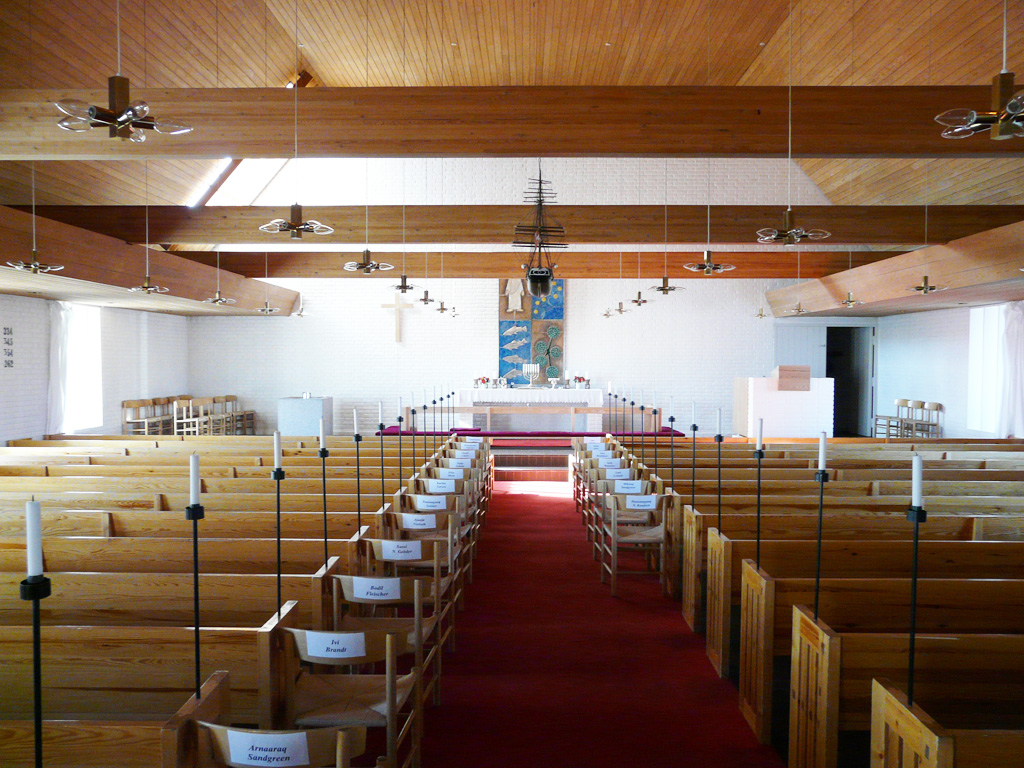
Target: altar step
(550, 464)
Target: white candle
(654, 399)
(671, 407)
(424, 398)
(587, 375)
(693, 413)
(631, 400)
(33, 539)
(355, 422)
(641, 397)
(323, 434)
(193, 479)
(821, 453)
(760, 434)
(380, 411)
(916, 477)
(277, 449)
(400, 407)
(609, 387)
(718, 423)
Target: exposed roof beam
(980, 269)
(98, 269)
(571, 264)
(748, 121)
(493, 224)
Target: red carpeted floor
(550, 669)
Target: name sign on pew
(376, 589)
(629, 486)
(467, 446)
(419, 522)
(336, 645)
(641, 502)
(402, 549)
(476, 439)
(602, 454)
(451, 473)
(464, 454)
(424, 503)
(593, 441)
(247, 748)
(617, 473)
(438, 485)
(609, 463)
(461, 463)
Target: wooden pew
(295, 502)
(133, 672)
(839, 559)
(864, 605)
(833, 671)
(370, 483)
(124, 743)
(909, 736)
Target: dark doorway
(848, 360)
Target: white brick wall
(923, 356)
(23, 386)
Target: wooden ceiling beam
(571, 264)
(716, 121)
(104, 268)
(984, 268)
(493, 224)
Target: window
(83, 408)
(985, 368)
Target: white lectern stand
(301, 415)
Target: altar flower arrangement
(579, 379)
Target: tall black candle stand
(672, 450)
(424, 430)
(611, 428)
(412, 422)
(643, 437)
(195, 513)
(759, 455)
(433, 424)
(36, 588)
(654, 417)
(822, 477)
(323, 454)
(718, 439)
(693, 468)
(400, 467)
(632, 428)
(622, 419)
(383, 494)
(917, 515)
(278, 476)
(615, 414)
(357, 439)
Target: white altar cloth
(583, 398)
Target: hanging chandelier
(540, 236)
(797, 310)
(404, 285)
(790, 234)
(35, 266)
(849, 302)
(621, 310)
(295, 225)
(925, 287)
(639, 300)
(708, 266)
(217, 298)
(1006, 118)
(147, 286)
(266, 309)
(127, 120)
(665, 288)
(368, 266)
(760, 314)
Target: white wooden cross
(398, 306)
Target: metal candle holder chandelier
(266, 309)
(127, 120)
(540, 237)
(34, 266)
(708, 267)
(217, 298)
(147, 286)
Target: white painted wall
(924, 356)
(23, 385)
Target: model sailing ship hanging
(540, 236)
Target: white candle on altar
(609, 387)
(641, 397)
(760, 434)
(654, 399)
(355, 422)
(323, 434)
(631, 399)
(821, 453)
(424, 398)
(33, 539)
(671, 407)
(718, 424)
(587, 375)
(916, 478)
(193, 479)
(277, 449)
(380, 411)
(693, 413)
(400, 407)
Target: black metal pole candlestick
(719, 439)
(424, 430)
(383, 495)
(412, 422)
(357, 439)
(918, 515)
(822, 477)
(693, 468)
(643, 437)
(672, 450)
(323, 454)
(615, 414)
(433, 424)
(610, 422)
(278, 477)
(759, 455)
(654, 415)
(195, 513)
(36, 588)
(632, 428)
(401, 469)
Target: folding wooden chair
(636, 523)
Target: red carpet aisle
(551, 669)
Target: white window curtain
(60, 323)
(1011, 407)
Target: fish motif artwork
(516, 344)
(516, 329)
(516, 359)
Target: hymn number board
(8, 346)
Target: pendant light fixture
(850, 302)
(639, 300)
(294, 224)
(34, 266)
(925, 287)
(426, 273)
(441, 307)
(403, 282)
(266, 309)
(790, 234)
(798, 310)
(126, 120)
(708, 267)
(217, 297)
(665, 288)
(621, 310)
(147, 286)
(760, 314)
(1006, 118)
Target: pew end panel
(757, 650)
(179, 735)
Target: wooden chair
(162, 418)
(135, 416)
(217, 745)
(390, 701)
(927, 424)
(636, 523)
(192, 417)
(221, 421)
(893, 426)
(244, 422)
